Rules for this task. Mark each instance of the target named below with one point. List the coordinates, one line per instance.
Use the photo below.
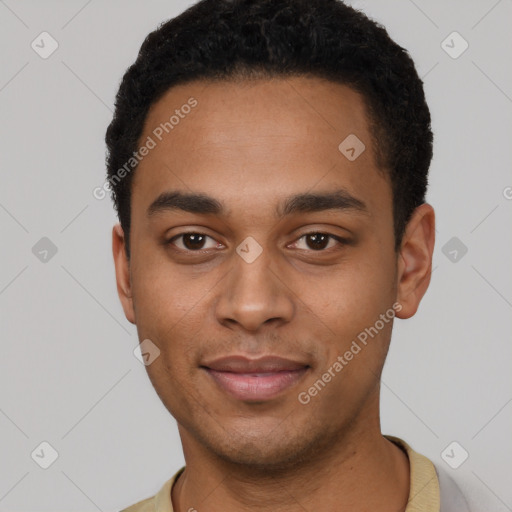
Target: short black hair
(244, 39)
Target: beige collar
(423, 493)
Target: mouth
(255, 380)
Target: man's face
(254, 284)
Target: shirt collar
(423, 491)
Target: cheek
(160, 287)
(352, 297)
(172, 318)
(350, 304)
(169, 308)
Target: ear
(415, 260)
(122, 265)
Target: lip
(255, 379)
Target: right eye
(192, 242)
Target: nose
(254, 295)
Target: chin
(255, 458)
(270, 452)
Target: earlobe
(415, 260)
(122, 268)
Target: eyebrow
(308, 202)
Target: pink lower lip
(256, 386)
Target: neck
(362, 470)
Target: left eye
(318, 241)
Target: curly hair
(243, 39)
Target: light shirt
(424, 490)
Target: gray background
(68, 375)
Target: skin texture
(250, 145)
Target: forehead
(256, 139)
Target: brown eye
(319, 241)
(192, 241)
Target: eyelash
(341, 241)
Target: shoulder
(457, 491)
(452, 498)
(465, 492)
(432, 482)
(147, 505)
(160, 502)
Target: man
(268, 161)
